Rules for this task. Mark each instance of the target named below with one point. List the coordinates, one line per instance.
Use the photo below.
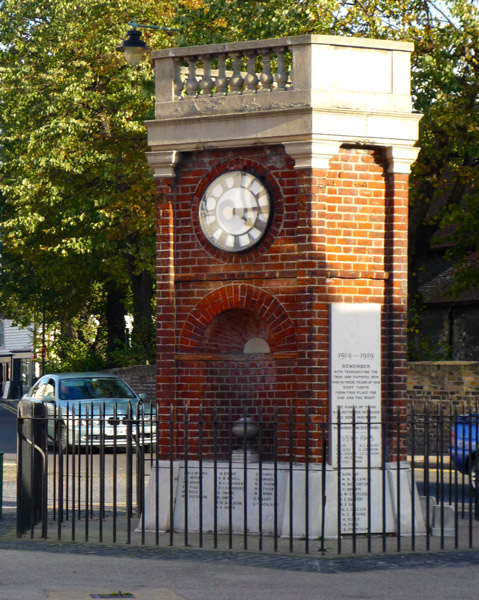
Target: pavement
(39, 571)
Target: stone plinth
(238, 492)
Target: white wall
(16, 338)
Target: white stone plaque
(357, 513)
(234, 500)
(355, 384)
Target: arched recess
(233, 330)
(218, 371)
(265, 307)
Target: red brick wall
(336, 236)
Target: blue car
(464, 447)
(92, 409)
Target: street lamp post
(43, 336)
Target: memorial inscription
(355, 384)
(232, 496)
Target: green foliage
(73, 355)
(77, 199)
(421, 346)
(129, 356)
(425, 349)
(76, 196)
(213, 21)
(464, 220)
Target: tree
(77, 199)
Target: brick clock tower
(282, 176)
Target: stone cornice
(311, 137)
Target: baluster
(236, 81)
(191, 82)
(290, 80)
(266, 78)
(281, 75)
(222, 78)
(178, 83)
(207, 83)
(251, 79)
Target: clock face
(235, 211)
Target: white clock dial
(235, 211)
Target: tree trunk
(143, 334)
(115, 318)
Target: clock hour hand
(244, 215)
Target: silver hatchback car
(93, 409)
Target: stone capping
(162, 163)
(330, 40)
(311, 93)
(312, 154)
(400, 158)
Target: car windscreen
(90, 388)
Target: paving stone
(351, 564)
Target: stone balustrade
(238, 72)
(375, 72)
(223, 69)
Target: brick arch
(239, 163)
(277, 323)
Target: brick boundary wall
(447, 383)
(438, 392)
(446, 388)
(141, 378)
(450, 384)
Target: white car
(94, 409)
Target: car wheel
(474, 476)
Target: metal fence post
(31, 473)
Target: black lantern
(134, 47)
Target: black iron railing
(281, 481)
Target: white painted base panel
(289, 496)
